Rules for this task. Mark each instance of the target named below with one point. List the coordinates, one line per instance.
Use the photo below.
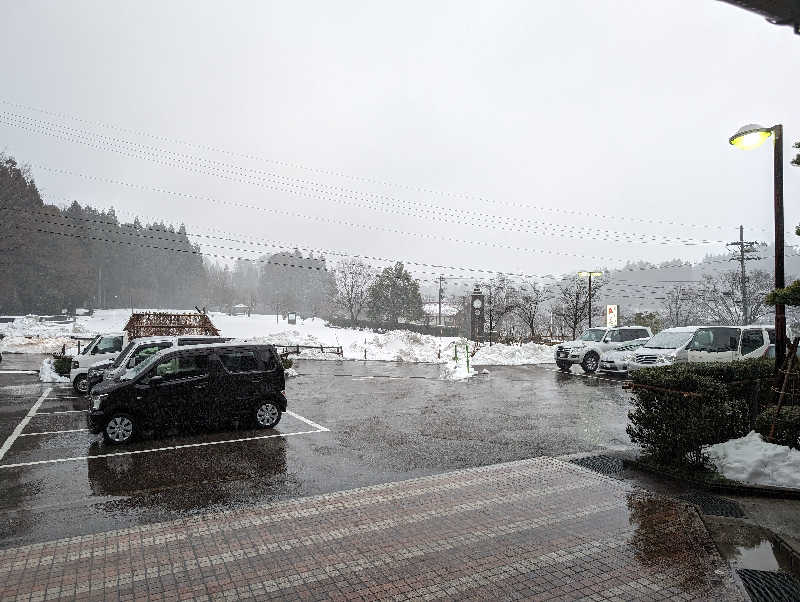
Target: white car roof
(681, 329)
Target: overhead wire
(347, 197)
(367, 180)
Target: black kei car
(205, 384)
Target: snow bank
(290, 373)
(514, 355)
(47, 373)
(752, 460)
(455, 371)
(394, 345)
(35, 344)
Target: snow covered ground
(752, 460)
(27, 335)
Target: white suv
(587, 349)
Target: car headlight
(628, 357)
(97, 400)
(665, 359)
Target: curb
(767, 491)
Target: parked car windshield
(715, 339)
(668, 340)
(89, 344)
(122, 355)
(132, 373)
(595, 334)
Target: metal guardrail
(285, 350)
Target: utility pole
(590, 274)
(746, 248)
(441, 278)
(780, 308)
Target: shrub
(787, 428)
(673, 427)
(62, 364)
(286, 361)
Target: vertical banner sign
(612, 313)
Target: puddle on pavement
(747, 547)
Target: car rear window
(239, 361)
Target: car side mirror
(155, 380)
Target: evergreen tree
(394, 295)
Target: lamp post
(752, 136)
(590, 274)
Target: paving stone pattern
(536, 529)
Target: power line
(384, 183)
(342, 196)
(322, 219)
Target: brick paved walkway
(540, 529)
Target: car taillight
(283, 393)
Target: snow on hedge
(393, 345)
(47, 373)
(752, 460)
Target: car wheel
(120, 428)
(267, 415)
(563, 366)
(81, 384)
(590, 362)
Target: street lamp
(752, 136)
(590, 274)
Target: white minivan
(728, 343)
(103, 347)
(703, 344)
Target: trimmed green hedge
(787, 429)
(62, 364)
(673, 428)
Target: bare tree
(719, 297)
(528, 308)
(352, 281)
(571, 305)
(679, 307)
(501, 300)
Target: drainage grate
(765, 586)
(713, 505)
(607, 465)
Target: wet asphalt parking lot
(350, 424)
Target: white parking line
(307, 421)
(157, 449)
(53, 432)
(19, 372)
(62, 412)
(22, 424)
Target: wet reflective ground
(387, 421)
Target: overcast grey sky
(614, 107)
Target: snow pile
(47, 373)
(394, 345)
(455, 371)
(35, 344)
(290, 373)
(752, 460)
(513, 355)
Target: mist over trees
(54, 259)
